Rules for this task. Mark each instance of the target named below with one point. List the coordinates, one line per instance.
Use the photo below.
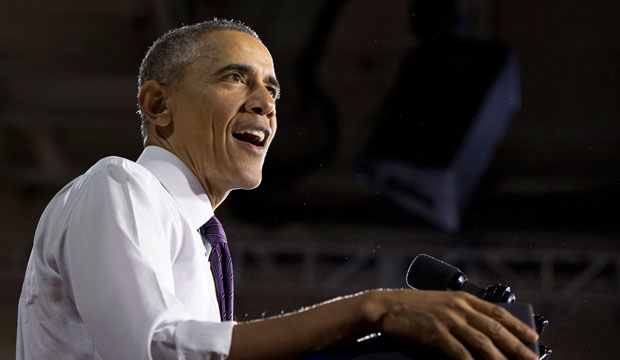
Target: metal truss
(308, 267)
(542, 276)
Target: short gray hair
(169, 56)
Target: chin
(250, 182)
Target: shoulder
(112, 179)
(119, 169)
(117, 172)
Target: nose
(261, 102)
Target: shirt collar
(180, 182)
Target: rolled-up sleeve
(120, 275)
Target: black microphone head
(428, 273)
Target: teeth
(259, 133)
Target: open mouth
(254, 137)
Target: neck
(216, 196)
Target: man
(119, 269)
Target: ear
(152, 102)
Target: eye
(273, 92)
(234, 77)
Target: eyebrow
(247, 69)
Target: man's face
(223, 112)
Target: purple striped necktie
(221, 265)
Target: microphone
(428, 273)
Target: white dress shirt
(118, 269)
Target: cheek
(222, 114)
(210, 121)
(274, 127)
(193, 115)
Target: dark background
(542, 218)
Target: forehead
(227, 46)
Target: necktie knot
(213, 231)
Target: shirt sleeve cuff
(194, 340)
